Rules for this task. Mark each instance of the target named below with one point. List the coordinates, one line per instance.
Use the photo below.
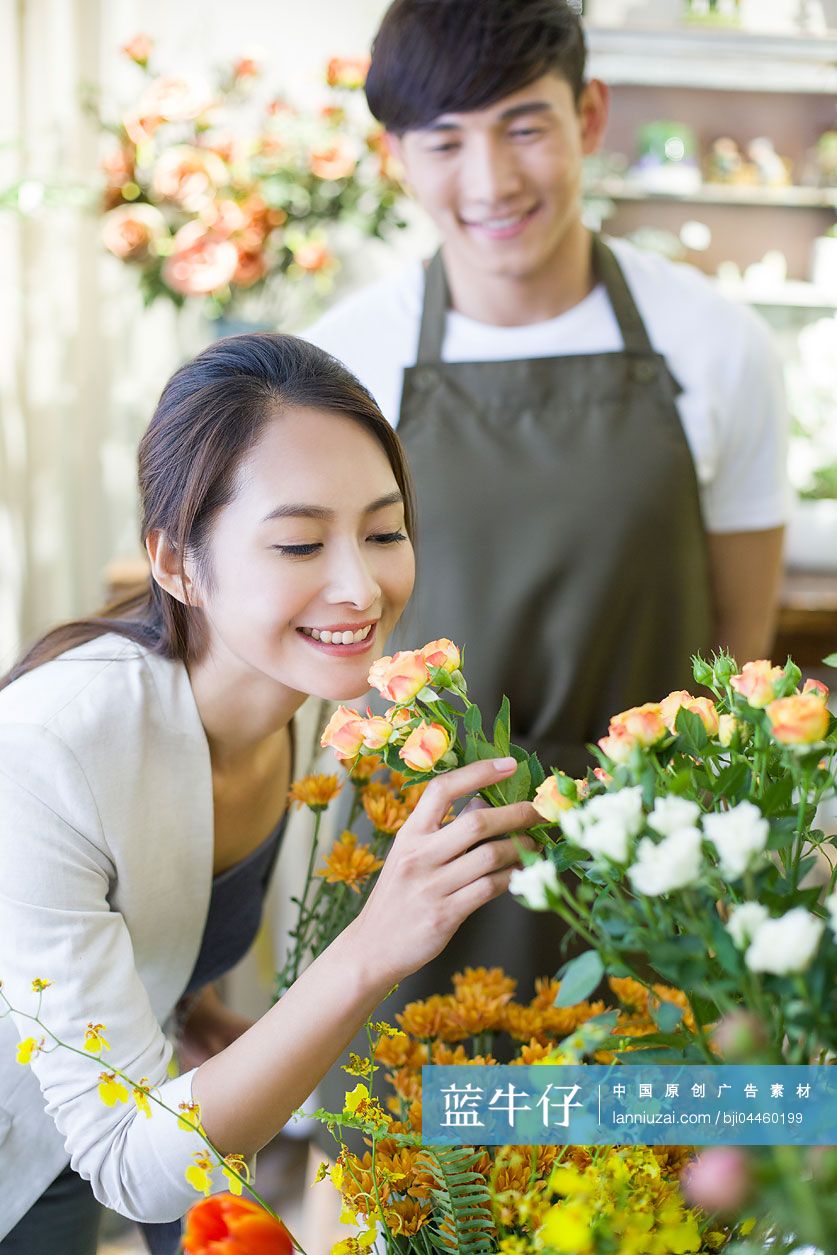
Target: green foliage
(461, 1201)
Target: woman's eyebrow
(298, 510)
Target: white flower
(624, 806)
(671, 813)
(672, 864)
(609, 838)
(831, 906)
(744, 922)
(739, 835)
(572, 824)
(786, 944)
(531, 883)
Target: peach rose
(798, 720)
(335, 160)
(313, 256)
(131, 231)
(727, 728)
(139, 49)
(644, 723)
(619, 744)
(816, 687)
(549, 801)
(442, 653)
(700, 706)
(425, 745)
(344, 732)
(756, 682)
(224, 217)
(200, 263)
(400, 677)
(188, 176)
(347, 72)
(175, 99)
(377, 732)
(250, 269)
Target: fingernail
(504, 764)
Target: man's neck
(504, 300)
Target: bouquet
(214, 193)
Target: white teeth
(338, 638)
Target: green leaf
(579, 978)
(691, 731)
(667, 1016)
(502, 725)
(427, 695)
(830, 660)
(536, 772)
(473, 722)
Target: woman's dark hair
(450, 56)
(211, 413)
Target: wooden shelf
(719, 194)
(714, 59)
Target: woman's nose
(353, 580)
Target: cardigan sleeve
(57, 924)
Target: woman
(145, 757)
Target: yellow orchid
(199, 1174)
(111, 1091)
(28, 1048)
(190, 1117)
(39, 984)
(234, 1168)
(354, 1098)
(566, 1227)
(94, 1041)
(140, 1096)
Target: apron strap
(436, 304)
(627, 316)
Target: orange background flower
(223, 1225)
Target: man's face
(503, 184)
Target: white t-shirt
(732, 406)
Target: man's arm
(745, 570)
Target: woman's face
(311, 566)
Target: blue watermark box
(650, 1105)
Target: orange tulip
(224, 1225)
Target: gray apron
(560, 541)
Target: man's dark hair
(450, 56)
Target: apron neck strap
(631, 326)
(605, 267)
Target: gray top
(235, 911)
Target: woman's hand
(209, 1027)
(434, 877)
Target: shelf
(722, 60)
(719, 194)
(793, 294)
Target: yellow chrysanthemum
(111, 1090)
(94, 1041)
(349, 863)
(364, 768)
(315, 792)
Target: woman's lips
(341, 651)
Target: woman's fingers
(446, 789)
(485, 860)
(468, 830)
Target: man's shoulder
(389, 305)
(680, 303)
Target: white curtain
(82, 362)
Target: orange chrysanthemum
(406, 1216)
(364, 768)
(349, 863)
(383, 809)
(314, 791)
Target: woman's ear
(164, 557)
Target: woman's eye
(388, 538)
(297, 551)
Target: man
(597, 437)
